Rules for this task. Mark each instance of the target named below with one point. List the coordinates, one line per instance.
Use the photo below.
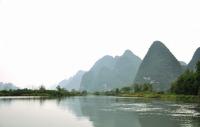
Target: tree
(84, 92)
(42, 88)
(198, 67)
(143, 87)
(117, 91)
(197, 83)
(137, 88)
(126, 89)
(199, 91)
(187, 83)
(58, 88)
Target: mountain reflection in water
(94, 111)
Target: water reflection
(38, 112)
(127, 112)
(96, 112)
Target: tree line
(188, 83)
(42, 91)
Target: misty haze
(101, 63)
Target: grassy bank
(165, 96)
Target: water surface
(95, 111)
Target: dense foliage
(42, 92)
(188, 83)
(146, 87)
(128, 90)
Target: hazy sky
(45, 41)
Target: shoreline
(170, 97)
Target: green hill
(194, 60)
(111, 72)
(159, 67)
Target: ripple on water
(136, 107)
(175, 110)
(185, 111)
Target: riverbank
(64, 93)
(165, 96)
(45, 93)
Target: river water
(97, 111)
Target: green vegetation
(142, 88)
(186, 88)
(145, 91)
(164, 96)
(127, 90)
(60, 92)
(188, 83)
(146, 87)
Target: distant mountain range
(159, 68)
(111, 72)
(194, 60)
(182, 63)
(7, 86)
(73, 82)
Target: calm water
(97, 112)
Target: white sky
(45, 41)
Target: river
(97, 111)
